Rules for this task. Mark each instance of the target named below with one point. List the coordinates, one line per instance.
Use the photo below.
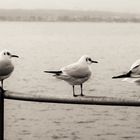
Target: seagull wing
(135, 69)
(76, 70)
(6, 69)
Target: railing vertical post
(1, 114)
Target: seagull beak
(94, 61)
(14, 56)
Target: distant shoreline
(66, 16)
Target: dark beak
(93, 61)
(14, 56)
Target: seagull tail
(123, 75)
(54, 72)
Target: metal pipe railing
(1, 114)
(85, 100)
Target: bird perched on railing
(6, 66)
(133, 75)
(76, 73)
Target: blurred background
(50, 34)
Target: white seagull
(76, 73)
(6, 66)
(133, 75)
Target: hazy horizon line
(63, 9)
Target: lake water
(46, 46)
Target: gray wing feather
(6, 69)
(76, 70)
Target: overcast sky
(132, 6)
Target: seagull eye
(89, 59)
(8, 53)
(4, 53)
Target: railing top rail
(85, 100)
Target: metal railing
(86, 100)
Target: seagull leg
(82, 90)
(1, 88)
(2, 85)
(73, 91)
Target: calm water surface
(46, 46)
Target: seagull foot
(75, 95)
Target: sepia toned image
(69, 69)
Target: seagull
(76, 73)
(6, 66)
(133, 75)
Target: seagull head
(86, 59)
(5, 54)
